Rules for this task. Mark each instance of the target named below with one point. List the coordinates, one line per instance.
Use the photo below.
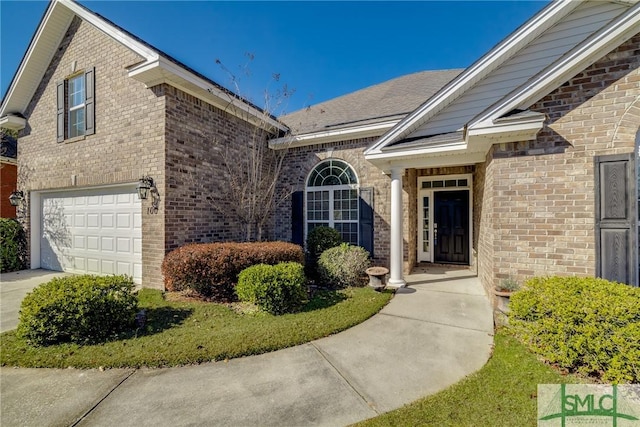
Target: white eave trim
(120, 36)
(582, 56)
(162, 70)
(355, 132)
(504, 50)
(470, 150)
(13, 122)
(508, 131)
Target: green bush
(320, 239)
(13, 246)
(276, 289)
(79, 309)
(211, 269)
(586, 325)
(343, 266)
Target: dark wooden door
(615, 223)
(451, 227)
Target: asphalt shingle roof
(389, 100)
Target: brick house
(522, 164)
(97, 109)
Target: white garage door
(96, 231)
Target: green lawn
(179, 333)
(502, 393)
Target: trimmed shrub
(343, 266)
(276, 289)
(586, 325)
(78, 309)
(211, 269)
(320, 239)
(13, 246)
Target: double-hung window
(332, 199)
(75, 100)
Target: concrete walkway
(431, 335)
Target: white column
(396, 276)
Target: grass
(180, 333)
(502, 393)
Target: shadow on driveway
(14, 287)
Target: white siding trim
(585, 54)
(542, 21)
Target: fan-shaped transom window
(332, 199)
(332, 172)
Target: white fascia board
(432, 161)
(517, 127)
(9, 98)
(494, 58)
(344, 134)
(162, 70)
(582, 56)
(451, 148)
(13, 122)
(117, 34)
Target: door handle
(435, 233)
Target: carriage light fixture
(146, 186)
(16, 198)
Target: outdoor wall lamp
(16, 198)
(147, 186)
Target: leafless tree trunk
(250, 196)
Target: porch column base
(396, 283)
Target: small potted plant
(503, 292)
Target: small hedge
(276, 289)
(320, 239)
(13, 246)
(78, 309)
(343, 266)
(586, 325)
(211, 269)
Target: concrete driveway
(430, 336)
(14, 287)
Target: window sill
(74, 139)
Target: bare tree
(250, 196)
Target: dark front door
(451, 227)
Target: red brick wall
(8, 180)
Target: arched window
(332, 199)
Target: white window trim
(76, 107)
(330, 189)
(430, 193)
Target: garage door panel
(123, 246)
(88, 232)
(123, 220)
(93, 221)
(79, 242)
(137, 246)
(107, 220)
(108, 267)
(93, 265)
(79, 220)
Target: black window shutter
(297, 218)
(366, 219)
(60, 110)
(89, 103)
(615, 223)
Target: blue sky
(320, 49)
